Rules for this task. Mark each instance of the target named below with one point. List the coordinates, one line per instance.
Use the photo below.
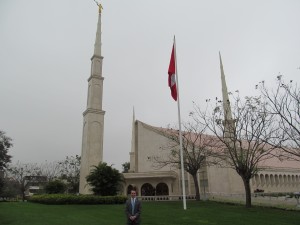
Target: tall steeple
(226, 102)
(93, 116)
(97, 46)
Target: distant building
(35, 184)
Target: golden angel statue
(99, 5)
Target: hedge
(61, 199)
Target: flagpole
(180, 134)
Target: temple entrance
(129, 188)
(147, 190)
(162, 189)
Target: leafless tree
(24, 174)
(196, 151)
(51, 170)
(243, 132)
(69, 170)
(284, 102)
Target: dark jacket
(136, 211)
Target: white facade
(274, 176)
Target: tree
(11, 189)
(70, 170)
(196, 147)
(5, 144)
(51, 170)
(1, 185)
(242, 135)
(25, 174)
(284, 102)
(105, 180)
(126, 167)
(55, 187)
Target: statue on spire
(99, 5)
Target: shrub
(105, 180)
(55, 187)
(61, 199)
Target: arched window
(276, 180)
(262, 180)
(271, 180)
(129, 188)
(257, 181)
(267, 179)
(147, 190)
(284, 180)
(162, 189)
(293, 180)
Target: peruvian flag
(172, 78)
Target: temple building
(147, 141)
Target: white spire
(93, 117)
(132, 152)
(226, 102)
(97, 47)
(133, 132)
(133, 115)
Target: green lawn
(154, 213)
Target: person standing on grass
(133, 209)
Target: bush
(274, 194)
(105, 180)
(55, 187)
(61, 199)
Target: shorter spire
(226, 103)
(133, 115)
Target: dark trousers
(129, 222)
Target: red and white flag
(172, 75)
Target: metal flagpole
(180, 135)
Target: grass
(154, 213)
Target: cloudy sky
(46, 46)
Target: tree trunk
(196, 186)
(23, 193)
(23, 190)
(247, 191)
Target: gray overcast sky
(46, 46)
